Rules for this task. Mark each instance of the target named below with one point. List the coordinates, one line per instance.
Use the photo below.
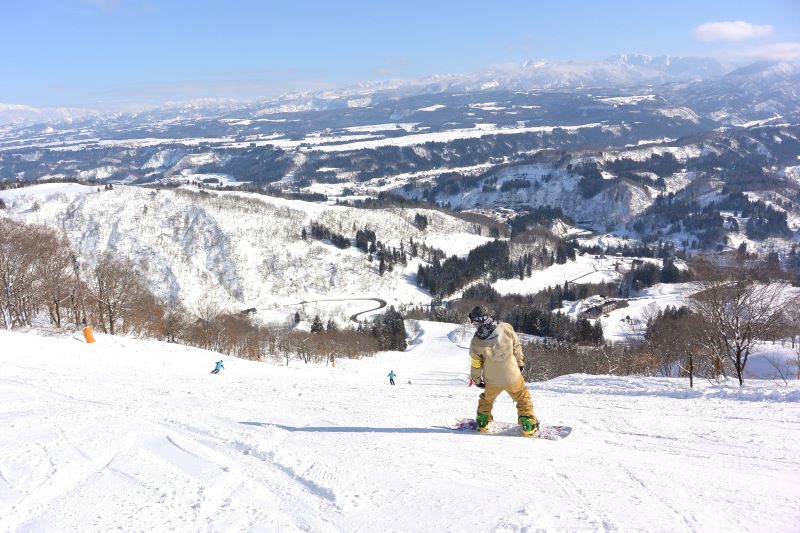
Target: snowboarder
(218, 367)
(497, 361)
(391, 376)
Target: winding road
(381, 304)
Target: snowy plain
(136, 435)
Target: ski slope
(136, 435)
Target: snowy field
(135, 435)
(585, 269)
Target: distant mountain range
(684, 79)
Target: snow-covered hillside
(136, 435)
(236, 249)
(554, 187)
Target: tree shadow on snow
(349, 429)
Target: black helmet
(478, 313)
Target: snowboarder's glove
(481, 385)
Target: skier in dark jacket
(218, 367)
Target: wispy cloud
(774, 52)
(137, 96)
(393, 66)
(737, 30)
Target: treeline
(367, 242)
(648, 274)
(256, 164)
(548, 360)
(320, 231)
(550, 298)
(443, 278)
(660, 250)
(536, 216)
(39, 274)
(763, 220)
(276, 192)
(491, 260)
(591, 182)
(530, 314)
(660, 165)
(388, 329)
(6, 184)
(669, 214)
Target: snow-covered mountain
(25, 114)
(546, 186)
(616, 71)
(763, 90)
(235, 249)
(129, 434)
(626, 70)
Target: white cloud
(775, 52)
(731, 31)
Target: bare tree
(174, 322)
(35, 273)
(54, 273)
(793, 329)
(204, 331)
(116, 285)
(735, 314)
(13, 271)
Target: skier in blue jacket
(218, 367)
(391, 376)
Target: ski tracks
(162, 475)
(287, 478)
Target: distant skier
(391, 375)
(218, 367)
(496, 356)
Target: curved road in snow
(354, 318)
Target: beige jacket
(498, 358)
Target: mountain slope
(236, 249)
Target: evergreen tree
(316, 325)
(597, 333)
(390, 330)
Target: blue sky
(114, 53)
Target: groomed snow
(136, 435)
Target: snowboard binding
(482, 422)
(529, 426)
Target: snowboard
(509, 429)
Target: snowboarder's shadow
(348, 429)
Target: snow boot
(482, 422)
(529, 425)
